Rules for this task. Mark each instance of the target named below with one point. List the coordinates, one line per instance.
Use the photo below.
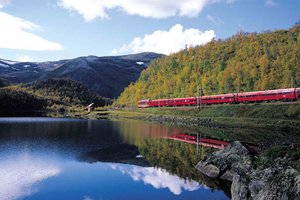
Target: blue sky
(35, 30)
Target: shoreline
(189, 120)
(242, 182)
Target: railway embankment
(268, 115)
(278, 110)
(274, 174)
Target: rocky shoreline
(179, 120)
(256, 177)
(196, 121)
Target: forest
(243, 62)
(48, 94)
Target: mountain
(41, 95)
(243, 62)
(14, 100)
(4, 83)
(106, 76)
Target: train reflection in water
(205, 142)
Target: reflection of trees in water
(134, 132)
(179, 158)
(264, 137)
(58, 134)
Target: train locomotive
(288, 94)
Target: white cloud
(159, 178)
(15, 34)
(214, 20)
(24, 58)
(167, 42)
(87, 198)
(4, 3)
(19, 175)
(91, 9)
(270, 3)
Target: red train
(289, 94)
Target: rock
(228, 176)
(222, 164)
(239, 188)
(276, 180)
(281, 185)
(208, 169)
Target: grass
(238, 115)
(287, 111)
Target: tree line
(243, 62)
(41, 95)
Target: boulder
(208, 169)
(271, 181)
(222, 164)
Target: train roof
(161, 99)
(182, 98)
(219, 95)
(268, 91)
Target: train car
(144, 103)
(184, 136)
(218, 99)
(188, 101)
(288, 94)
(162, 102)
(298, 92)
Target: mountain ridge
(107, 76)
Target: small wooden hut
(90, 107)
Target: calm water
(56, 158)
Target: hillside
(4, 83)
(243, 62)
(43, 95)
(14, 101)
(106, 76)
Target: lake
(60, 158)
